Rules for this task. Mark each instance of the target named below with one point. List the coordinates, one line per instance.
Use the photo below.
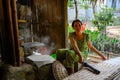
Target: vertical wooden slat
(47, 15)
(50, 10)
(53, 10)
(45, 9)
(1, 11)
(1, 24)
(15, 31)
(8, 35)
(58, 12)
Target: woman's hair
(77, 20)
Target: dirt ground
(114, 31)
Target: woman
(80, 42)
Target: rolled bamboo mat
(110, 69)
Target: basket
(59, 71)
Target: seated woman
(80, 43)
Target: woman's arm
(76, 49)
(95, 50)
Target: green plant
(70, 29)
(92, 34)
(105, 43)
(70, 3)
(104, 18)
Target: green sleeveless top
(82, 44)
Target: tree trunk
(76, 10)
(114, 4)
(94, 7)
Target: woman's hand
(104, 58)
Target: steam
(41, 45)
(47, 44)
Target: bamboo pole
(15, 31)
(8, 37)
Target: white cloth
(40, 60)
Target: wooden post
(9, 33)
(65, 22)
(15, 30)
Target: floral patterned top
(82, 44)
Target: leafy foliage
(70, 4)
(104, 43)
(104, 18)
(85, 4)
(92, 34)
(70, 29)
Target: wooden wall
(49, 20)
(50, 17)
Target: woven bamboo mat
(109, 70)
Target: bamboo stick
(9, 14)
(15, 30)
(8, 39)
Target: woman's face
(77, 26)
